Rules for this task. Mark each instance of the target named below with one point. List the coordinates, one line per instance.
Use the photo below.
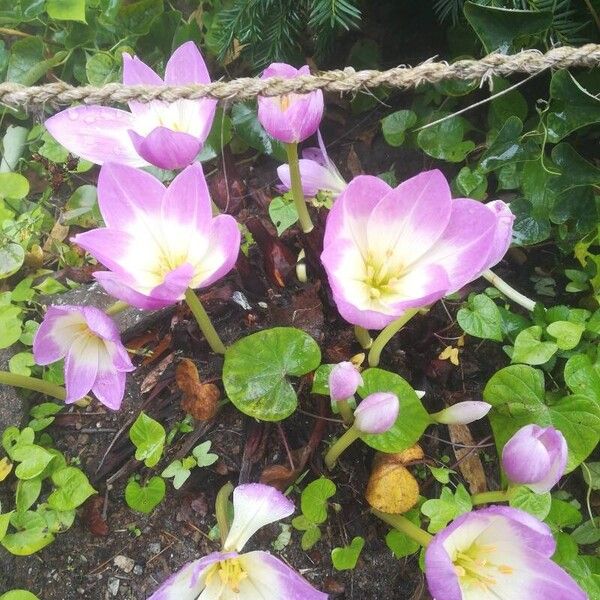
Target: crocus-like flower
(293, 117)
(157, 241)
(376, 413)
(498, 553)
(167, 135)
(462, 413)
(536, 457)
(89, 341)
(387, 249)
(229, 575)
(344, 380)
(317, 172)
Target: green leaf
(178, 472)
(220, 135)
(530, 349)
(32, 534)
(588, 533)
(52, 150)
(28, 491)
(13, 146)
(283, 213)
(537, 505)
(33, 459)
(506, 148)
(510, 104)
(345, 558)
(591, 474)
(412, 417)
(501, 28)
(82, 208)
(10, 323)
(57, 521)
(73, 489)
(145, 498)
(583, 376)
(517, 394)
(310, 537)
(481, 318)
(20, 363)
(400, 544)
(256, 369)
(445, 140)
(138, 17)
(29, 330)
(563, 514)
(18, 595)
(203, 456)
(66, 10)
(246, 125)
(4, 523)
(101, 68)
(441, 474)
(447, 508)
(26, 63)
(320, 384)
(395, 126)
(567, 334)
(148, 437)
(571, 106)
(313, 501)
(12, 257)
(13, 185)
(471, 183)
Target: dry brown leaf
(152, 378)
(58, 233)
(353, 163)
(199, 399)
(404, 458)
(469, 463)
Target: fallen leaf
(57, 234)
(353, 163)
(468, 461)
(153, 376)
(5, 468)
(391, 487)
(199, 399)
(92, 516)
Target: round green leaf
(19, 595)
(144, 499)
(481, 318)
(412, 417)
(537, 505)
(394, 126)
(256, 369)
(13, 185)
(11, 258)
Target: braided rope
(346, 80)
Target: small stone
(154, 548)
(138, 570)
(113, 585)
(124, 563)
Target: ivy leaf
(148, 436)
(73, 489)
(66, 10)
(203, 456)
(145, 498)
(27, 64)
(283, 213)
(583, 376)
(28, 491)
(447, 508)
(313, 501)
(567, 334)
(530, 349)
(256, 369)
(34, 459)
(537, 505)
(481, 318)
(445, 140)
(395, 126)
(399, 543)
(345, 558)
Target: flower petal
(137, 72)
(81, 367)
(254, 506)
(165, 148)
(101, 324)
(109, 388)
(272, 579)
(503, 232)
(186, 65)
(108, 246)
(124, 194)
(114, 285)
(525, 459)
(314, 177)
(174, 285)
(96, 133)
(55, 335)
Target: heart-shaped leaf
(148, 436)
(73, 489)
(145, 498)
(481, 318)
(256, 370)
(33, 459)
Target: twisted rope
(346, 80)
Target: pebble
(138, 570)
(113, 585)
(154, 548)
(124, 563)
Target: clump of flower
(497, 552)
(95, 358)
(244, 576)
(167, 135)
(536, 457)
(388, 250)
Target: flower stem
(489, 497)
(221, 505)
(297, 193)
(117, 307)
(508, 291)
(387, 334)
(33, 383)
(204, 322)
(345, 411)
(363, 336)
(349, 436)
(405, 526)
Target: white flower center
(475, 567)
(230, 572)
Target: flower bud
(376, 413)
(344, 380)
(536, 457)
(462, 413)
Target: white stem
(508, 291)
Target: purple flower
(344, 380)
(499, 553)
(536, 457)
(157, 241)
(95, 358)
(462, 413)
(293, 117)
(317, 172)
(167, 135)
(376, 413)
(247, 576)
(390, 249)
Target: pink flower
(167, 135)
(247, 576)
(390, 249)
(376, 413)
(536, 457)
(293, 117)
(499, 553)
(95, 358)
(344, 380)
(158, 241)
(317, 172)
(462, 413)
